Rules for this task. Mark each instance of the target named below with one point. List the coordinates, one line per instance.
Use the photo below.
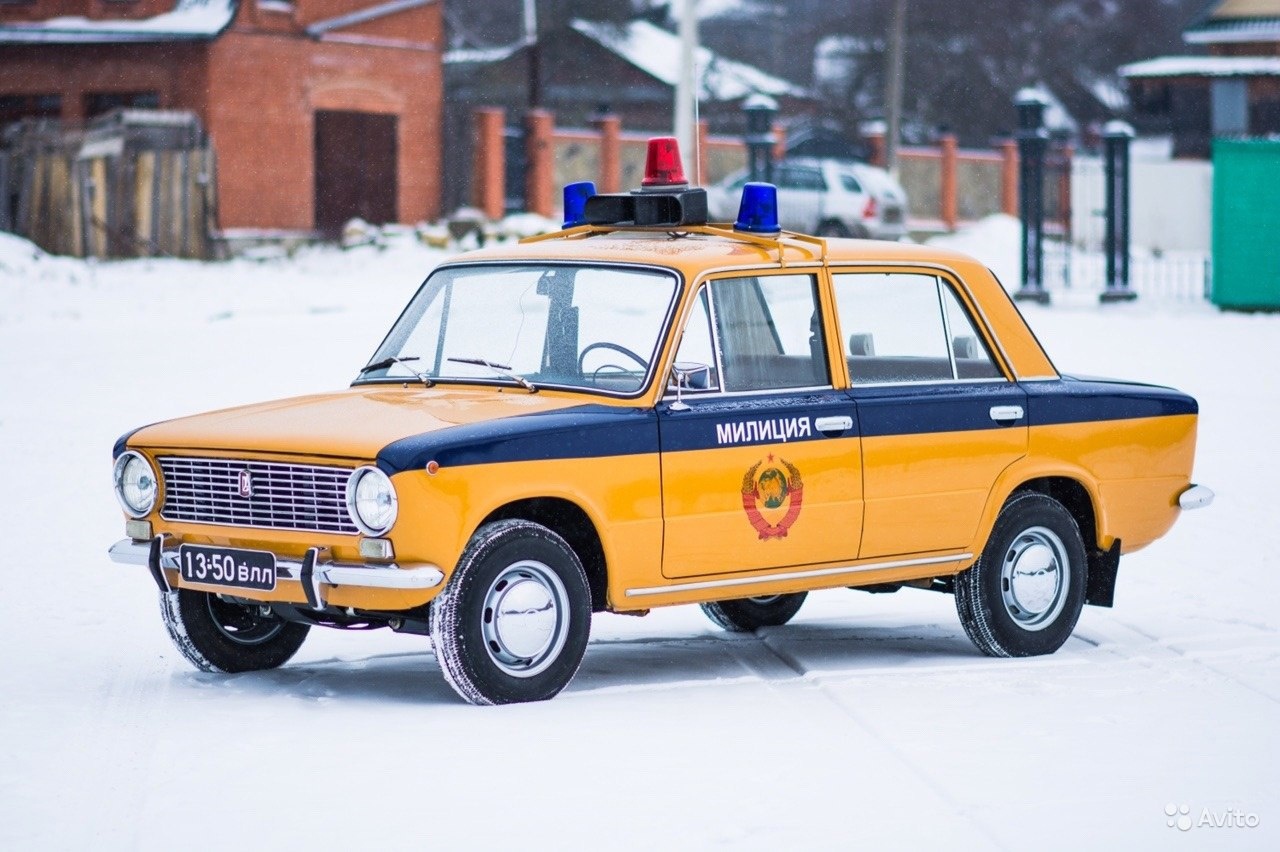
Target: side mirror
(691, 375)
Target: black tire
(833, 228)
(219, 636)
(747, 614)
(1024, 595)
(546, 629)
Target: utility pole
(532, 52)
(686, 126)
(893, 85)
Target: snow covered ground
(869, 721)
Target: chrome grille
(301, 497)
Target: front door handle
(833, 424)
(1006, 413)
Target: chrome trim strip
(1196, 497)
(795, 575)
(946, 328)
(385, 576)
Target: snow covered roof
(368, 13)
(190, 20)
(1236, 21)
(461, 55)
(707, 9)
(1205, 66)
(657, 52)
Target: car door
(939, 417)
(760, 454)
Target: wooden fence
(134, 184)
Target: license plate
(223, 566)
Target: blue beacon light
(575, 202)
(758, 210)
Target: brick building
(1234, 91)
(319, 110)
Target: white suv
(831, 198)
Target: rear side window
(906, 327)
(850, 184)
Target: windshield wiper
(387, 362)
(501, 369)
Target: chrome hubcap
(526, 618)
(1034, 578)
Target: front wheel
(513, 624)
(1024, 595)
(747, 614)
(216, 635)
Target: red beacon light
(664, 199)
(662, 166)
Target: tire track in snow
(796, 666)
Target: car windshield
(594, 328)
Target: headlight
(371, 500)
(136, 485)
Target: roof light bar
(662, 164)
(758, 210)
(663, 201)
(575, 202)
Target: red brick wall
(256, 90)
(95, 9)
(265, 90)
(76, 70)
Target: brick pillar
(875, 140)
(1064, 189)
(539, 147)
(1009, 177)
(610, 128)
(779, 142)
(947, 146)
(488, 174)
(703, 175)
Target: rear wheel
(217, 635)
(749, 614)
(513, 623)
(1024, 595)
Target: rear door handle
(833, 424)
(1006, 413)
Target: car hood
(356, 423)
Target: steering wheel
(605, 344)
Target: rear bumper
(313, 572)
(1195, 497)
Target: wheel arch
(1077, 495)
(572, 523)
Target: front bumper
(313, 572)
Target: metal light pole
(686, 122)
(1116, 137)
(532, 53)
(893, 85)
(1033, 141)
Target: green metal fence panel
(1246, 224)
